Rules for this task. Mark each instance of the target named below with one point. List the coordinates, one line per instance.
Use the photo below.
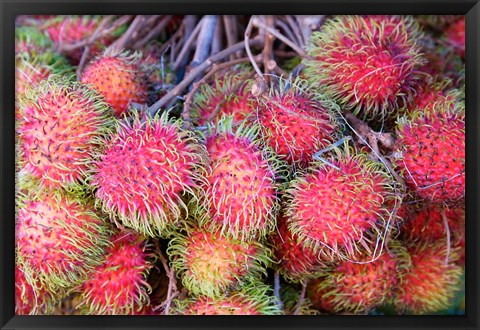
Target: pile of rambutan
(331, 183)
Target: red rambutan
(239, 194)
(431, 151)
(454, 36)
(118, 78)
(30, 299)
(118, 285)
(143, 172)
(367, 64)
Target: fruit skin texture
(455, 36)
(336, 206)
(253, 299)
(357, 287)
(118, 285)
(144, 171)
(431, 151)
(212, 264)
(118, 78)
(367, 64)
(61, 126)
(297, 122)
(59, 239)
(230, 94)
(295, 261)
(30, 300)
(238, 196)
(430, 283)
(68, 30)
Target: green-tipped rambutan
(211, 264)
(367, 64)
(30, 297)
(431, 281)
(291, 298)
(144, 171)
(59, 239)
(62, 122)
(431, 151)
(341, 204)
(239, 195)
(118, 286)
(358, 287)
(296, 122)
(30, 42)
(229, 95)
(254, 299)
(296, 262)
(118, 78)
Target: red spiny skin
(429, 283)
(455, 36)
(118, 286)
(427, 225)
(240, 190)
(53, 235)
(55, 145)
(433, 155)
(118, 81)
(235, 305)
(28, 74)
(296, 127)
(354, 287)
(367, 63)
(237, 105)
(143, 170)
(335, 207)
(71, 30)
(27, 301)
(212, 260)
(318, 295)
(295, 261)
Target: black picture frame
(9, 9)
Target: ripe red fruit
(118, 285)
(431, 281)
(296, 122)
(211, 264)
(118, 78)
(431, 151)
(30, 297)
(61, 126)
(339, 205)
(455, 36)
(239, 194)
(367, 64)
(59, 239)
(144, 171)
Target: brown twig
(276, 289)
(447, 229)
(172, 290)
(188, 45)
(217, 42)
(301, 298)
(267, 52)
(231, 31)
(204, 40)
(192, 75)
(125, 38)
(154, 32)
(247, 34)
(296, 30)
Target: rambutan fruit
(431, 151)
(291, 298)
(30, 42)
(431, 280)
(253, 299)
(118, 286)
(144, 171)
(62, 124)
(431, 90)
(296, 122)
(454, 36)
(227, 96)
(69, 30)
(358, 287)
(30, 299)
(437, 22)
(367, 64)
(430, 223)
(296, 262)
(211, 264)
(341, 203)
(239, 194)
(59, 239)
(118, 78)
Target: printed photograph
(240, 165)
